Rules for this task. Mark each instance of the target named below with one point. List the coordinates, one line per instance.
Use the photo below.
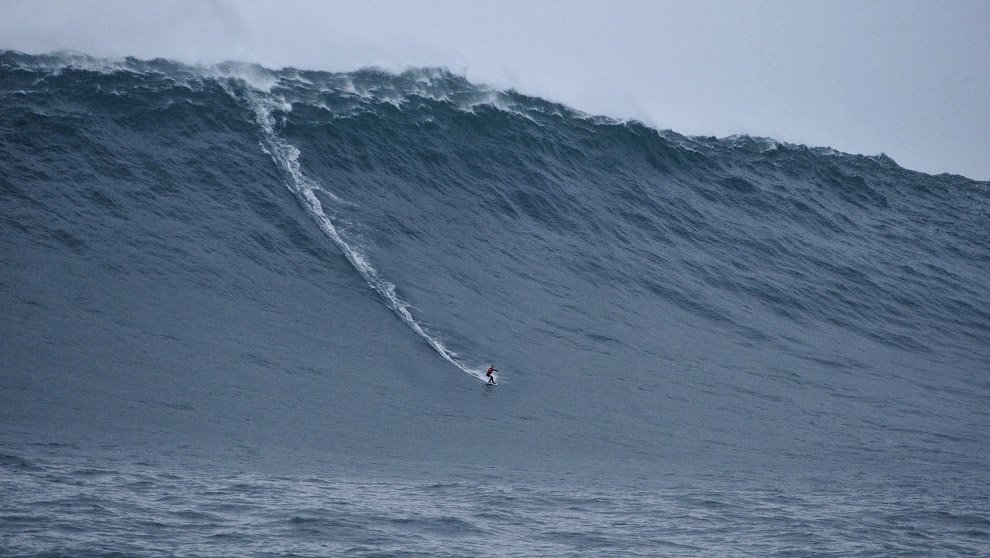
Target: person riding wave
(489, 373)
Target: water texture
(139, 509)
(248, 311)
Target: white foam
(286, 157)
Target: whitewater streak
(286, 158)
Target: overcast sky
(908, 78)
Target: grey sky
(908, 78)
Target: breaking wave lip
(438, 84)
(432, 83)
(286, 158)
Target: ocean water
(109, 505)
(247, 312)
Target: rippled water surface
(246, 311)
(72, 507)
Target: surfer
(491, 379)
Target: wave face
(239, 257)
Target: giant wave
(233, 256)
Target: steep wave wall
(233, 254)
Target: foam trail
(286, 157)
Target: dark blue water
(247, 311)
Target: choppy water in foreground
(108, 507)
(245, 312)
